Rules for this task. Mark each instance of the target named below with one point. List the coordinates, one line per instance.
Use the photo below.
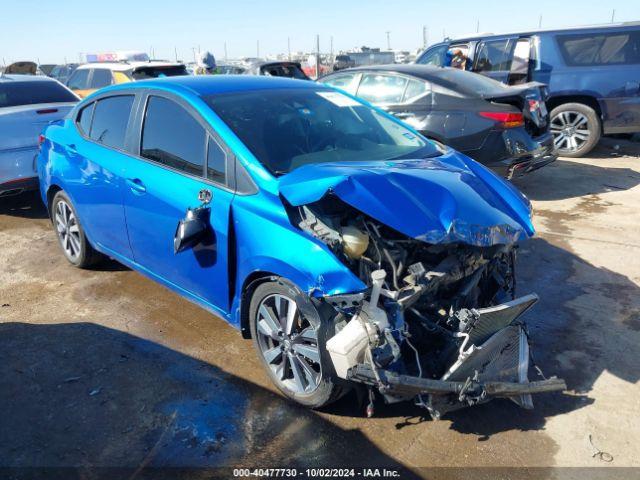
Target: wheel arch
(51, 192)
(587, 100)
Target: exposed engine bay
(439, 323)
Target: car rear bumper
(514, 152)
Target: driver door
(178, 158)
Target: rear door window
(382, 89)
(345, 81)
(520, 61)
(615, 48)
(493, 56)
(79, 80)
(33, 92)
(110, 120)
(173, 137)
(101, 78)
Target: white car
(28, 103)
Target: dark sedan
(505, 128)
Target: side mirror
(192, 229)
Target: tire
(73, 241)
(275, 350)
(576, 129)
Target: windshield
(143, 73)
(13, 94)
(288, 128)
(290, 70)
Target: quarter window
(604, 49)
(382, 88)
(345, 81)
(415, 89)
(173, 137)
(110, 120)
(84, 118)
(216, 162)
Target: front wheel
(576, 129)
(290, 335)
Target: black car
(505, 128)
(342, 62)
(277, 69)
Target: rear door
(179, 156)
(608, 63)
(493, 58)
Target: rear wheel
(289, 335)
(73, 241)
(576, 129)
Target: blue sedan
(354, 252)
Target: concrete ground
(106, 368)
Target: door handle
(71, 148)
(136, 185)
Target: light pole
(388, 40)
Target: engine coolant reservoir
(354, 241)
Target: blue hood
(436, 200)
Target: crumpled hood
(437, 200)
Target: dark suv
(593, 75)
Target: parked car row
(592, 75)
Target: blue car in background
(352, 250)
(593, 76)
(28, 103)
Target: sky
(52, 31)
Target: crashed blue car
(352, 251)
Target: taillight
(46, 111)
(505, 120)
(41, 139)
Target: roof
(544, 30)
(125, 66)
(25, 78)
(426, 72)
(214, 84)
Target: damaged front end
(440, 322)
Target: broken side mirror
(192, 229)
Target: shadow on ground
(26, 205)
(577, 179)
(86, 396)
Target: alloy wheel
(68, 230)
(570, 130)
(289, 344)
